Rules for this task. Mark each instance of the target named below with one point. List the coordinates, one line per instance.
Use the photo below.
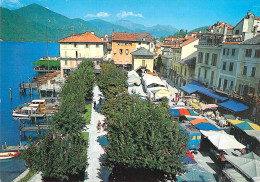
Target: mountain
(204, 28)
(107, 27)
(156, 31)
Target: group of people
(104, 125)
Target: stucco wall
(138, 61)
(189, 49)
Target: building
(142, 59)
(158, 50)
(75, 48)
(125, 43)
(181, 48)
(167, 55)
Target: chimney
(92, 32)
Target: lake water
(16, 60)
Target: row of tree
(145, 143)
(61, 154)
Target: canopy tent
(208, 106)
(163, 93)
(247, 120)
(209, 133)
(191, 87)
(246, 164)
(133, 79)
(253, 133)
(212, 94)
(197, 121)
(133, 72)
(182, 112)
(223, 141)
(196, 173)
(233, 106)
(189, 158)
(206, 126)
(229, 116)
(244, 125)
(234, 174)
(149, 79)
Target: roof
(144, 37)
(253, 41)
(85, 37)
(189, 60)
(142, 52)
(235, 175)
(257, 18)
(124, 36)
(180, 43)
(233, 106)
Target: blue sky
(177, 13)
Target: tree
(142, 137)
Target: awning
(208, 106)
(206, 126)
(233, 106)
(211, 93)
(244, 125)
(191, 87)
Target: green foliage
(62, 154)
(143, 136)
(203, 29)
(44, 63)
(111, 80)
(180, 34)
(87, 115)
(57, 157)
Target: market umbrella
(197, 121)
(248, 166)
(244, 125)
(196, 173)
(206, 126)
(247, 120)
(223, 141)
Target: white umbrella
(224, 141)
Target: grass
(85, 137)
(44, 63)
(28, 176)
(87, 115)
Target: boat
(8, 155)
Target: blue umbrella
(206, 126)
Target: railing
(43, 69)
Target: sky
(186, 14)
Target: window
(66, 62)
(139, 43)
(193, 137)
(227, 52)
(205, 74)
(76, 54)
(224, 51)
(212, 77)
(121, 59)
(75, 45)
(199, 137)
(231, 85)
(143, 62)
(224, 65)
(185, 72)
(97, 46)
(248, 52)
(207, 58)
(225, 85)
(219, 83)
(214, 59)
(257, 53)
(86, 45)
(237, 32)
(127, 51)
(147, 43)
(181, 70)
(233, 52)
(200, 58)
(199, 73)
(120, 51)
(253, 71)
(65, 54)
(245, 70)
(231, 66)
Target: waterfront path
(95, 150)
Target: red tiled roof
(257, 18)
(124, 36)
(228, 26)
(85, 37)
(185, 42)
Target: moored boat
(8, 155)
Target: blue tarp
(191, 87)
(196, 173)
(197, 87)
(233, 106)
(206, 126)
(174, 112)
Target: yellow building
(142, 59)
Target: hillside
(203, 29)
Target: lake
(16, 65)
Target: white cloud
(100, 14)
(11, 3)
(124, 14)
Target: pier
(6, 148)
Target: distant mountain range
(34, 23)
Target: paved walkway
(94, 148)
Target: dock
(18, 148)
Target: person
(95, 105)
(99, 125)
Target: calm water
(16, 65)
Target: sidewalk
(95, 150)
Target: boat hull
(8, 155)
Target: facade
(158, 51)
(143, 60)
(123, 44)
(75, 48)
(167, 55)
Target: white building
(75, 48)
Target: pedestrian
(95, 105)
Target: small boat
(8, 155)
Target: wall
(123, 58)
(138, 60)
(189, 49)
(147, 45)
